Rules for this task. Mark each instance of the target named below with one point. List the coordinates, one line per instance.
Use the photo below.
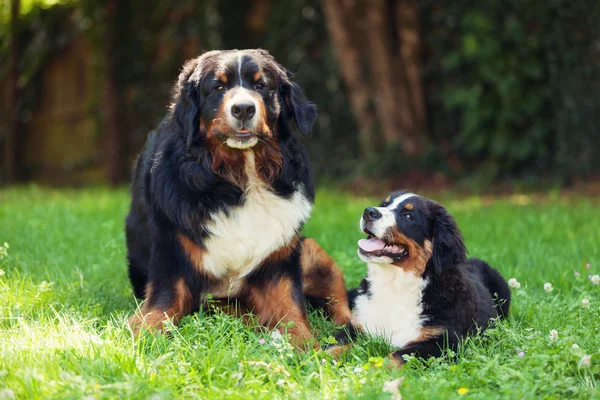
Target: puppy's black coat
(421, 291)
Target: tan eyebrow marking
(257, 76)
(222, 77)
(388, 199)
(409, 207)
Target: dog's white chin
(241, 144)
(375, 259)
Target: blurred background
(479, 94)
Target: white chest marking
(240, 241)
(394, 309)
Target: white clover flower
(276, 335)
(575, 346)
(595, 279)
(280, 370)
(553, 334)
(1, 272)
(237, 375)
(586, 361)
(392, 387)
(358, 370)
(585, 303)
(259, 364)
(4, 251)
(513, 283)
(6, 393)
(548, 287)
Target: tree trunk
(395, 103)
(391, 53)
(340, 16)
(10, 143)
(114, 163)
(407, 20)
(385, 82)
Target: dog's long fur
(219, 197)
(421, 292)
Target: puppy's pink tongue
(369, 245)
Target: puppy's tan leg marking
(337, 351)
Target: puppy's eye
(259, 86)
(219, 88)
(407, 216)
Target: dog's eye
(407, 216)
(219, 88)
(259, 86)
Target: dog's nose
(243, 112)
(371, 214)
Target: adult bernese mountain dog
(219, 196)
(421, 292)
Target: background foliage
(516, 86)
(511, 87)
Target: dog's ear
(296, 103)
(448, 246)
(188, 101)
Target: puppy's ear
(448, 246)
(296, 103)
(187, 102)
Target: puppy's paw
(336, 351)
(396, 360)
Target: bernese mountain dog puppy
(220, 194)
(421, 292)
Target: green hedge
(512, 87)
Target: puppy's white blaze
(240, 241)
(388, 218)
(394, 204)
(394, 309)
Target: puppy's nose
(371, 214)
(243, 112)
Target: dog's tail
(494, 282)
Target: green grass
(65, 297)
